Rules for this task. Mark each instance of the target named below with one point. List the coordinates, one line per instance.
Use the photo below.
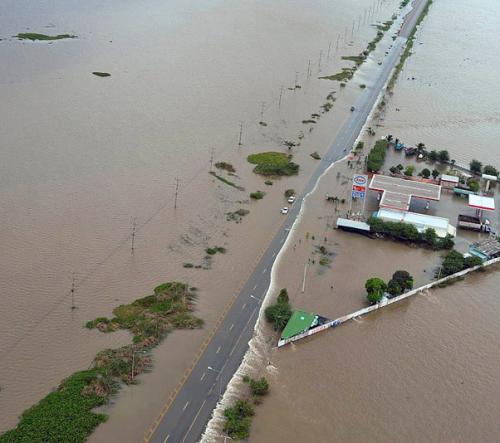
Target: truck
(473, 223)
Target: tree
(430, 237)
(375, 288)
(435, 174)
(278, 314)
(475, 166)
(403, 279)
(409, 232)
(389, 138)
(470, 262)
(283, 296)
(410, 169)
(453, 262)
(420, 146)
(400, 166)
(490, 170)
(394, 170)
(443, 156)
(393, 288)
(426, 173)
(473, 185)
(433, 156)
(446, 242)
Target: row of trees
(477, 168)
(408, 232)
(400, 282)
(410, 169)
(454, 262)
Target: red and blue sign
(359, 183)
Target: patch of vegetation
(315, 155)
(327, 106)
(490, 170)
(238, 420)
(188, 265)
(259, 386)
(66, 415)
(475, 166)
(305, 122)
(362, 86)
(268, 182)
(454, 262)
(279, 313)
(257, 195)
(359, 146)
(215, 249)
(225, 166)
(289, 193)
(226, 181)
(34, 36)
(409, 233)
(273, 164)
(237, 215)
(376, 157)
(102, 74)
(357, 59)
(344, 75)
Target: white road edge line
(231, 327)
(167, 437)
(244, 306)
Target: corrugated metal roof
(300, 321)
(449, 178)
(352, 224)
(481, 202)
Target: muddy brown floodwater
(83, 156)
(425, 369)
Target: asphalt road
(185, 420)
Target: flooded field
(424, 369)
(84, 156)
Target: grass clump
(34, 36)
(225, 166)
(215, 250)
(238, 419)
(273, 164)
(289, 193)
(357, 59)
(237, 215)
(257, 195)
(226, 181)
(102, 74)
(344, 75)
(315, 155)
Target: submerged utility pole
(73, 291)
(352, 29)
(328, 53)
(337, 44)
(319, 60)
(241, 134)
(296, 79)
(134, 226)
(212, 150)
(176, 191)
(281, 94)
(309, 68)
(262, 107)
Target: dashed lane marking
(218, 349)
(231, 327)
(185, 406)
(203, 376)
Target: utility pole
(73, 291)
(337, 44)
(352, 29)
(359, 22)
(212, 151)
(309, 68)
(241, 134)
(296, 79)
(319, 60)
(176, 191)
(345, 34)
(262, 106)
(281, 94)
(328, 53)
(134, 226)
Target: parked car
(284, 210)
(291, 199)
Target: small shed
(449, 181)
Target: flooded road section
(424, 369)
(84, 156)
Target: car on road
(291, 199)
(284, 210)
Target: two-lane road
(188, 414)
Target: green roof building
(299, 322)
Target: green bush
(257, 195)
(259, 386)
(283, 296)
(425, 173)
(238, 420)
(273, 164)
(475, 166)
(375, 288)
(376, 157)
(490, 170)
(278, 315)
(410, 169)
